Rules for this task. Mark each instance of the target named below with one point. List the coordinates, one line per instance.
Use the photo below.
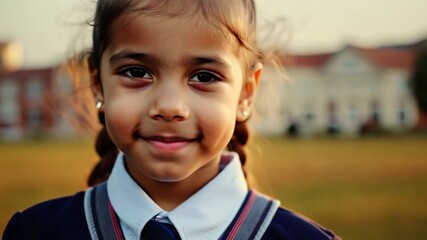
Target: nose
(169, 104)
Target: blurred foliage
(419, 78)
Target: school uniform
(208, 214)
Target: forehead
(184, 32)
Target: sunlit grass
(31, 172)
(370, 188)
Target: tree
(419, 78)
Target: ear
(96, 88)
(250, 86)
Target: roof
(380, 57)
(23, 74)
(315, 60)
(389, 57)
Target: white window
(9, 105)
(34, 90)
(34, 118)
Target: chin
(167, 178)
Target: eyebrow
(123, 55)
(200, 60)
(191, 60)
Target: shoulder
(287, 224)
(61, 218)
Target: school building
(354, 90)
(27, 98)
(346, 92)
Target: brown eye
(205, 77)
(135, 72)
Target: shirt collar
(196, 218)
(133, 206)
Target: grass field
(370, 188)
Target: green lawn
(370, 188)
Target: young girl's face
(173, 90)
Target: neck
(169, 195)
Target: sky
(50, 30)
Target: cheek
(121, 117)
(218, 120)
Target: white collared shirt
(205, 215)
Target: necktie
(155, 230)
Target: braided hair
(238, 142)
(107, 152)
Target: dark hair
(232, 18)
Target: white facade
(344, 93)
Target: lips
(168, 139)
(168, 143)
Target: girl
(174, 83)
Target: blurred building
(26, 98)
(352, 91)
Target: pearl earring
(245, 113)
(98, 104)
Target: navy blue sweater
(64, 218)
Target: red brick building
(25, 102)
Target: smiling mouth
(169, 144)
(168, 139)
